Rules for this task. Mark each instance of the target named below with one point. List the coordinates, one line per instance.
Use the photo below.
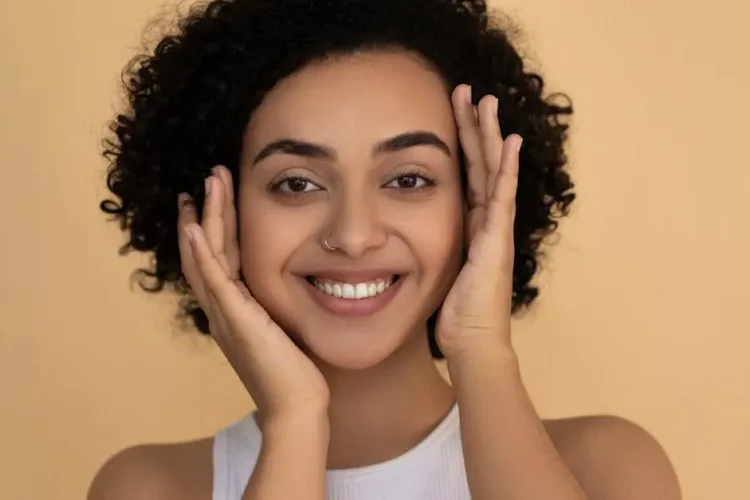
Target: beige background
(644, 308)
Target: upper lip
(354, 276)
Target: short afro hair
(190, 98)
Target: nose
(356, 226)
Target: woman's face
(369, 160)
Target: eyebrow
(318, 151)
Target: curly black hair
(190, 99)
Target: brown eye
(410, 181)
(407, 181)
(294, 185)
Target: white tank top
(432, 470)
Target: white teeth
(352, 290)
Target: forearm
(507, 451)
(292, 461)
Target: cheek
(436, 236)
(266, 241)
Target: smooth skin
(509, 452)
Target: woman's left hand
(478, 307)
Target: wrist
(481, 351)
(486, 362)
(310, 422)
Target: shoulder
(157, 471)
(614, 459)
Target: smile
(353, 299)
(352, 291)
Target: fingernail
(518, 147)
(468, 96)
(497, 104)
(184, 201)
(208, 185)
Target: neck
(381, 412)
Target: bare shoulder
(157, 472)
(614, 459)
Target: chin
(352, 347)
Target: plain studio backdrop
(644, 303)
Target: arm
(291, 393)
(507, 451)
(292, 461)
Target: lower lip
(354, 307)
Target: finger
(186, 215)
(210, 304)
(212, 222)
(502, 209)
(492, 142)
(231, 246)
(220, 288)
(471, 143)
(235, 314)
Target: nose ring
(327, 245)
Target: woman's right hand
(282, 381)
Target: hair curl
(189, 100)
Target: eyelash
(275, 185)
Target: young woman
(328, 184)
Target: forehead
(355, 100)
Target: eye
(411, 181)
(293, 185)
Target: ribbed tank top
(432, 470)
